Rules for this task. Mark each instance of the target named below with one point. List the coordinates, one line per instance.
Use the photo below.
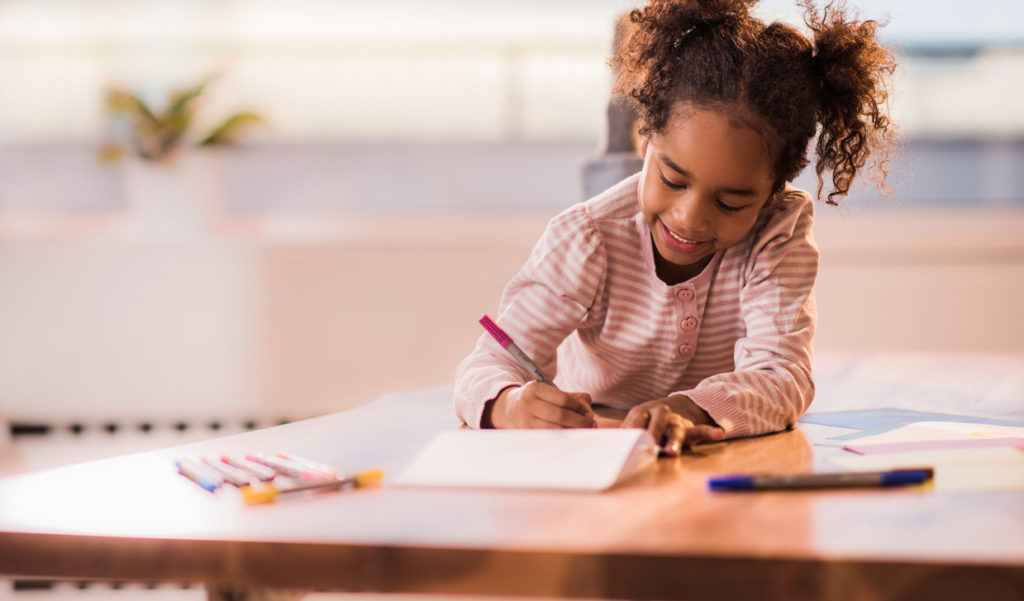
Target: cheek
(652, 198)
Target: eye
(670, 184)
(728, 208)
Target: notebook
(577, 460)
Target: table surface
(660, 535)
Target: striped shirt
(589, 310)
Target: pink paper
(935, 445)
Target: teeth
(683, 240)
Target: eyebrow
(683, 172)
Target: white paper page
(959, 470)
(584, 460)
(925, 431)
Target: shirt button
(686, 350)
(685, 295)
(690, 324)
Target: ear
(643, 146)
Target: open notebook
(581, 460)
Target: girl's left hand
(673, 422)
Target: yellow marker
(265, 492)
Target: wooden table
(661, 535)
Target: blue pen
(738, 482)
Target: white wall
(289, 318)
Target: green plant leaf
(231, 130)
(180, 109)
(157, 136)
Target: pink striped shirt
(589, 310)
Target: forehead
(716, 146)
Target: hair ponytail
(853, 68)
(713, 53)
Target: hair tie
(679, 40)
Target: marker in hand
(556, 397)
(506, 343)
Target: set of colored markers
(261, 478)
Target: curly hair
(787, 86)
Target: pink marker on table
(506, 343)
(288, 467)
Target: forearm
(748, 403)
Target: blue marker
(198, 474)
(737, 482)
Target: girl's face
(704, 183)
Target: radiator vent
(146, 427)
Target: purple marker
(506, 343)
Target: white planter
(177, 200)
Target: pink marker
(313, 465)
(288, 467)
(506, 343)
(260, 471)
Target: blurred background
(411, 153)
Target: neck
(673, 274)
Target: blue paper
(873, 419)
(863, 433)
(999, 422)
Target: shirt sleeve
(543, 304)
(771, 386)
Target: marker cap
(906, 477)
(735, 482)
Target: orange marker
(257, 494)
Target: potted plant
(173, 191)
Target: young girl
(683, 294)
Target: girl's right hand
(537, 405)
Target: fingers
(544, 406)
(578, 402)
(638, 417)
(661, 416)
(670, 430)
(699, 433)
(683, 434)
(585, 401)
(553, 416)
(675, 435)
(655, 419)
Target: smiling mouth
(678, 243)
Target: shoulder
(790, 217)
(583, 224)
(618, 203)
(569, 260)
(782, 237)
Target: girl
(683, 294)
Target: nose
(691, 212)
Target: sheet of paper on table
(956, 470)
(923, 436)
(580, 460)
(870, 419)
